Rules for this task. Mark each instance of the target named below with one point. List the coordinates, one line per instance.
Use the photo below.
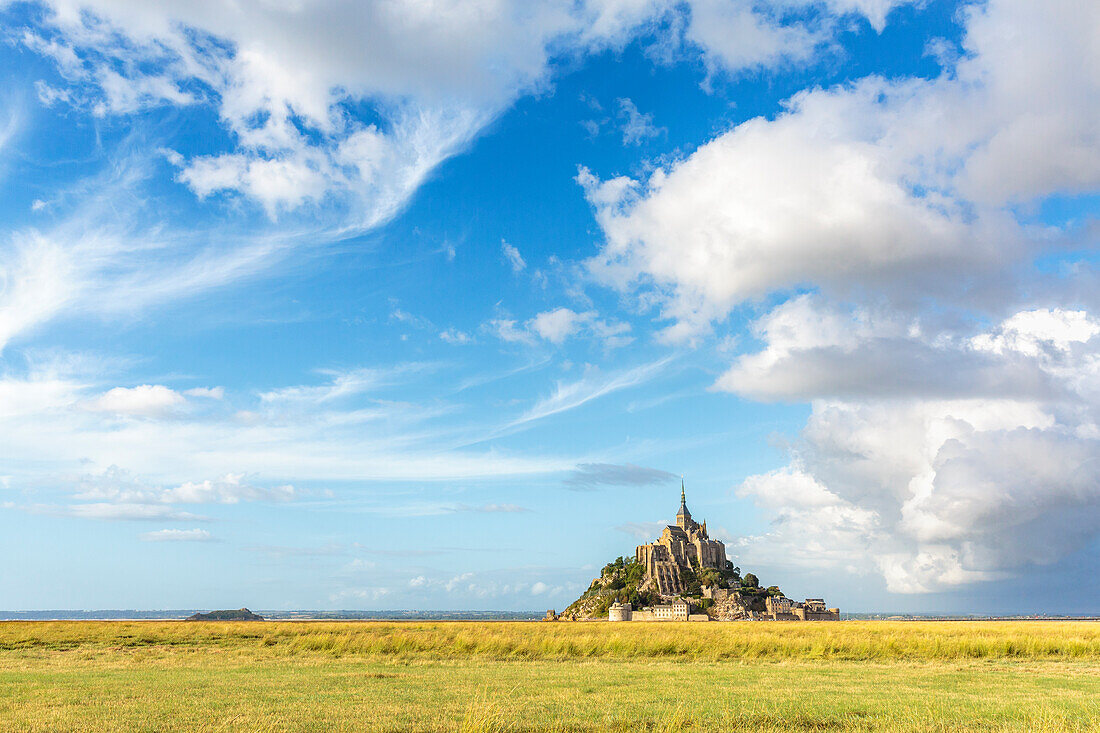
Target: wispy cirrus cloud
(177, 535)
(117, 511)
(571, 395)
(345, 428)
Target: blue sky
(381, 305)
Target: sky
(407, 305)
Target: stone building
(619, 612)
(678, 610)
(780, 608)
(679, 547)
(784, 609)
(814, 610)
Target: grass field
(907, 676)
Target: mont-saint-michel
(684, 575)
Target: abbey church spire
(683, 517)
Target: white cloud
(637, 127)
(229, 489)
(342, 385)
(898, 188)
(457, 581)
(953, 459)
(559, 324)
(176, 535)
(370, 593)
(402, 316)
(939, 452)
(1034, 332)
(283, 81)
(38, 277)
(282, 78)
(506, 329)
(105, 257)
(213, 393)
(737, 35)
(815, 349)
(570, 395)
(454, 336)
(223, 453)
(123, 511)
(147, 400)
(119, 486)
(513, 257)
(539, 588)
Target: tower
(683, 516)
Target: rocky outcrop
(241, 614)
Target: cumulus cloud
(887, 225)
(899, 188)
(936, 482)
(145, 400)
(816, 349)
(594, 475)
(559, 324)
(737, 35)
(176, 535)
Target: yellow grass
(479, 676)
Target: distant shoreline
(408, 615)
(300, 615)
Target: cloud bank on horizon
(311, 261)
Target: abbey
(682, 546)
(684, 575)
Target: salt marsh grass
(410, 676)
(851, 640)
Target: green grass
(860, 676)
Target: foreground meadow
(404, 676)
